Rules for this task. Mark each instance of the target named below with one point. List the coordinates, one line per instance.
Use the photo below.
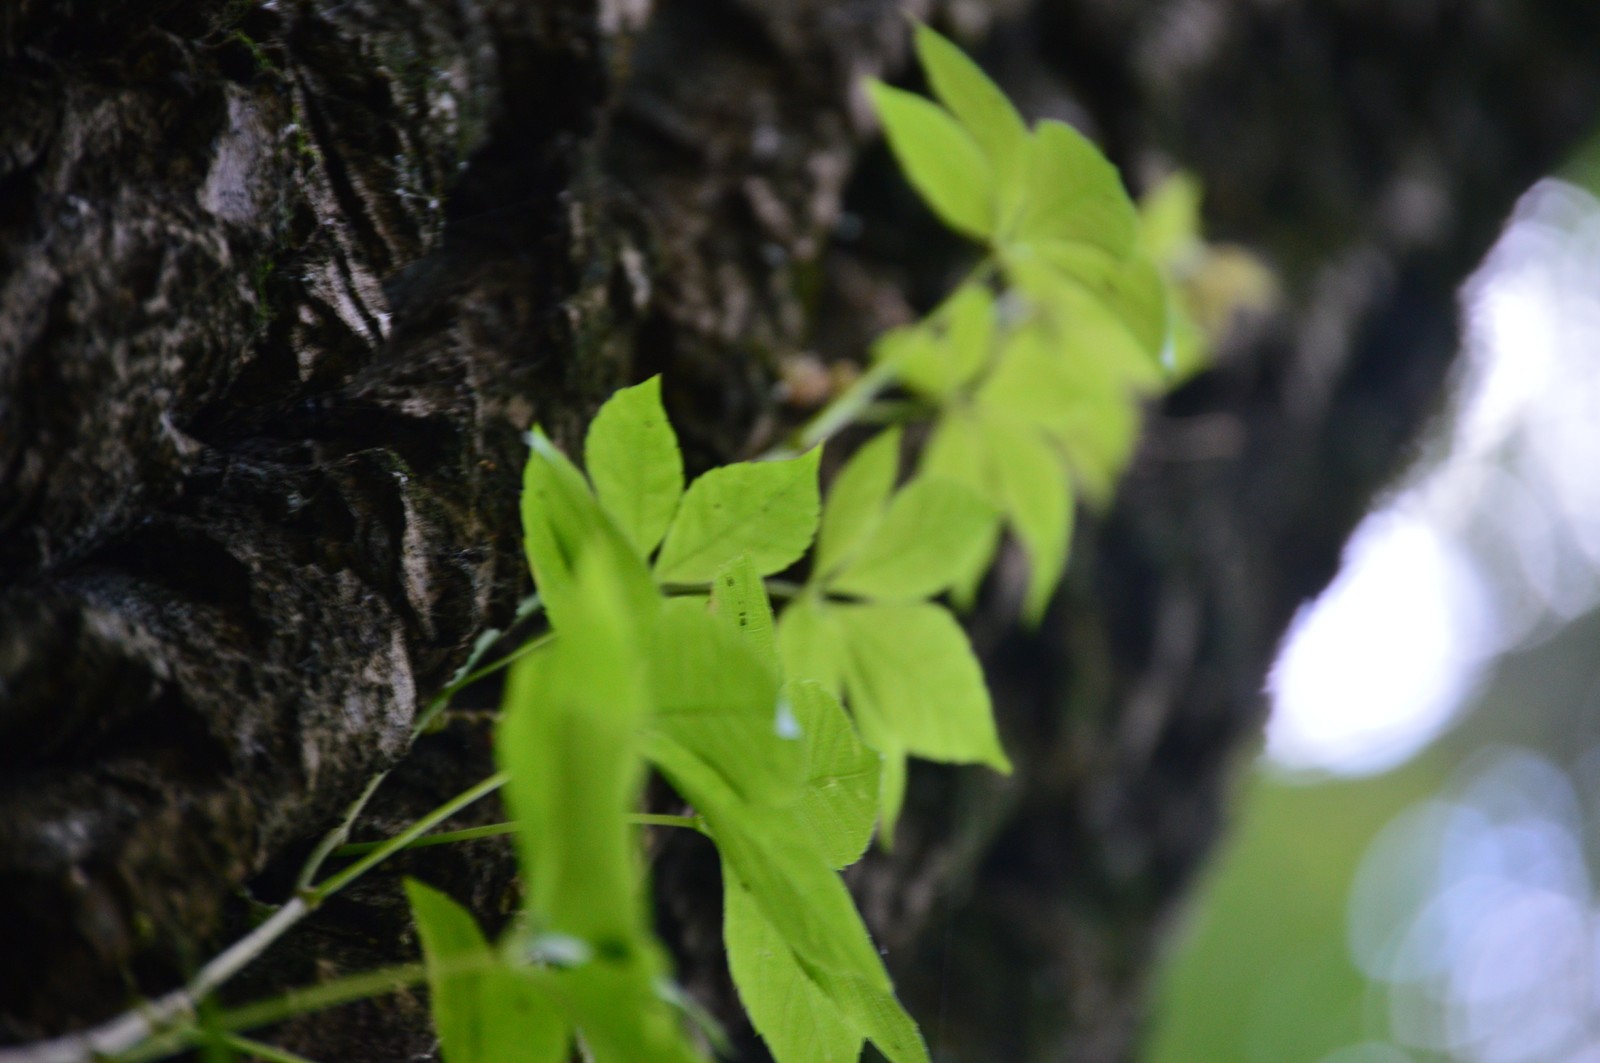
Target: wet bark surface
(281, 286)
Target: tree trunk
(282, 284)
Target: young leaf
(811, 645)
(969, 320)
(797, 1019)
(766, 510)
(856, 497)
(940, 159)
(561, 523)
(1169, 219)
(958, 450)
(484, 1011)
(769, 851)
(838, 799)
(911, 674)
(632, 456)
(961, 85)
(620, 1013)
(920, 358)
(739, 597)
(568, 738)
(1071, 193)
(925, 541)
(1033, 483)
(717, 701)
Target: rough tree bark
(282, 283)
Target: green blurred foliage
(1259, 971)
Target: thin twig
(134, 1027)
(261, 1050)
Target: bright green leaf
(568, 738)
(1033, 481)
(766, 510)
(926, 540)
(920, 358)
(806, 904)
(620, 1013)
(839, 797)
(562, 523)
(1082, 402)
(797, 1019)
(718, 701)
(739, 597)
(1169, 219)
(632, 456)
(1072, 193)
(957, 451)
(940, 159)
(969, 322)
(977, 102)
(876, 1013)
(811, 645)
(856, 497)
(912, 675)
(484, 1011)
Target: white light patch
(1375, 667)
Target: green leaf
(806, 904)
(856, 497)
(562, 523)
(940, 159)
(795, 1016)
(1071, 193)
(632, 456)
(620, 1013)
(717, 701)
(970, 327)
(568, 738)
(739, 597)
(959, 450)
(912, 676)
(766, 510)
(839, 797)
(941, 355)
(920, 358)
(1080, 401)
(1033, 482)
(926, 540)
(977, 102)
(484, 1011)
(1169, 219)
(811, 645)
(1135, 295)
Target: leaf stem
(317, 894)
(468, 834)
(494, 666)
(261, 1050)
(174, 1013)
(839, 413)
(652, 819)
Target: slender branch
(134, 1028)
(839, 413)
(400, 841)
(286, 1005)
(261, 1050)
(492, 830)
(652, 819)
(336, 837)
(492, 667)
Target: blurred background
(1413, 867)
